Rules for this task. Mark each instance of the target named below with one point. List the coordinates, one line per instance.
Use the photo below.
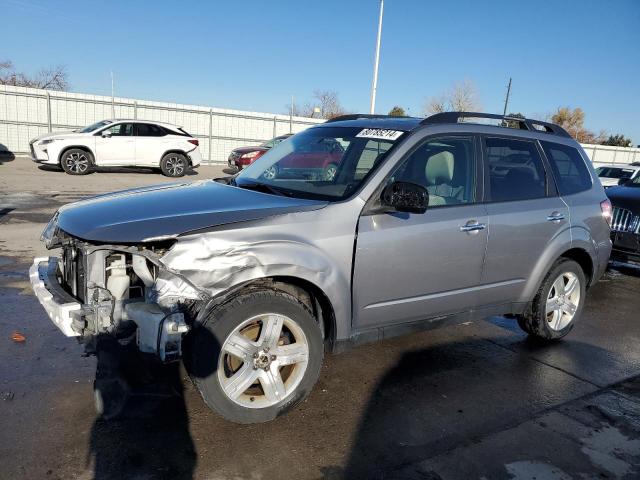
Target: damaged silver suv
(250, 279)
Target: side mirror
(405, 197)
(623, 181)
(106, 134)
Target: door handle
(555, 217)
(472, 226)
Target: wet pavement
(478, 400)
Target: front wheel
(558, 304)
(257, 356)
(76, 161)
(174, 165)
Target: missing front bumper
(63, 310)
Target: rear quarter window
(571, 174)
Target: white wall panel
(26, 112)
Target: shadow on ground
(55, 168)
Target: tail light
(194, 142)
(607, 210)
(250, 157)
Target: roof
(452, 118)
(139, 120)
(404, 124)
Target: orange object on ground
(18, 337)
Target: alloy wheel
(77, 162)
(563, 301)
(175, 166)
(263, 360)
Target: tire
(252, 385)
(329, 173)
(271, 172)
(557, 305)
(76, 161)
(174, 165)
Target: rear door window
(516, 170)
(572, 175)
(149, 130)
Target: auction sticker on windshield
(380, 133)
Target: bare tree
(52, 78)
(462, 97)
(325, 104)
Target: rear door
(525, 215)
(151, 143)
(417, 266)
(119, 148)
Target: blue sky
(253, 55)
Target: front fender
(217, 265)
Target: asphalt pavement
(478, 400)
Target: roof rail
(523, 123)
(356, 116)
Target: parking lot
(477, 400)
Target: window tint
(372, 152)
(614, 172)
(121, 130)
(445, 167)
(572, 175)
(516, 171)
(149, 130)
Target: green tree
(397, 112)
(617, 140)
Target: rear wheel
(76, 161)
(271, 172)
(558, 304)
(330, 172)
(257, 356)
(174, 164)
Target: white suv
(119, 143)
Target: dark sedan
(625, 227)
(244, 156)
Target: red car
(244, 156)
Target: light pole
(374, 85)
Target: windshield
(273, 142)
(322, 162)
(95, 126)
(614, 172)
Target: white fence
(27, 112)
(606, 154)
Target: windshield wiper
(260, 187)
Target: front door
(417, 266)
(117, 149)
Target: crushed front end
(95, 290)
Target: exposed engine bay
(124, 289)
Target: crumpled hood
(625, 197)
(166, 211)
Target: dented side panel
(315, 246)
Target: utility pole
(374, 86)
(291, 116)
(506, 100)
(113, 106)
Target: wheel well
(582, 258)
(177, 150)
(77, 147)
(308, 293)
